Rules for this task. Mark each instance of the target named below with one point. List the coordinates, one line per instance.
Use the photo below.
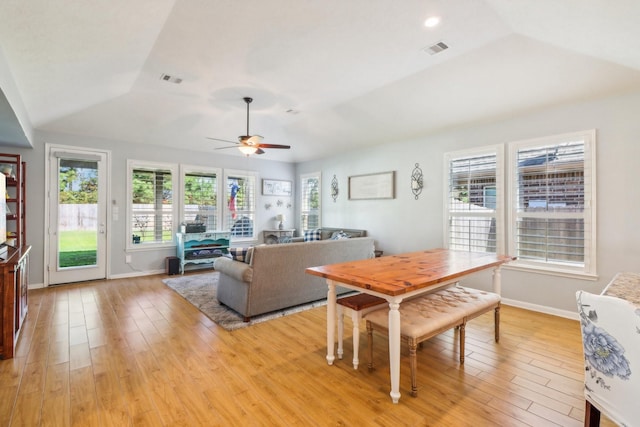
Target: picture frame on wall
(372, 186)
(276, 187)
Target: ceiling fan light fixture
(248, 150)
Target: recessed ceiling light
(432, 21)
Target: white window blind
(310, 185)
(200, 197)
(240, 196)
(553, 218)
(151, 207)
(474, 200)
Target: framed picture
(276, 187)
(372, 186)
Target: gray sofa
(276, 278)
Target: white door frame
(49, 149)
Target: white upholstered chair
(611, 341)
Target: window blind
(201, 199)
(152, 206)
(474, 198)
(240, 194)
(310, 203)
(552, 214)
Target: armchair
(610, 330)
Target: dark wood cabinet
(12, 166)
(14, 286)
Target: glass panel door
(77, 217)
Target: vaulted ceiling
(325, 76)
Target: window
(151, 211)
(200, 187)
(474, 207)
(552, 203)
(310, 203)
(550, 199)
(240, 196)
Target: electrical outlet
(127, 259)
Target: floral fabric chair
(611, 341)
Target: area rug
(200, 290)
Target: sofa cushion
(241, 254)
(312, 235)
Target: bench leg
(462, 327)
(497, 322)
(340, 311)
(413, 362)
(370, 345)
(355, 318)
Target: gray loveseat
(276, 278)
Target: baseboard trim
(542, 309)
(137, 274)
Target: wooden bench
(428, 315)
(356, 306)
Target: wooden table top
(402, 273)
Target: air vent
(170, 79)
(436, 48)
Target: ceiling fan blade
(260, 151)
(222, 140)
(274, 146)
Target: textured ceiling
(354, 71)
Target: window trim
(589, 270)
(152, 166)
(193, 169)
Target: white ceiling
(353, 70)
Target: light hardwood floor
(133, 352)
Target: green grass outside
(77, 248)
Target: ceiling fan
(249, 144)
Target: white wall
(143, 261)
(405, 224)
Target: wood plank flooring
(133, 352)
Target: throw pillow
(311, 235)
(247, 258)
(239, 254)
(337, 235)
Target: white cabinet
(202, 248)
